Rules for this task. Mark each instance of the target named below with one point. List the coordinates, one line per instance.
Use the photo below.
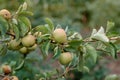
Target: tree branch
(8, 33)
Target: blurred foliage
(77, 15)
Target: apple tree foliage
(69, 48)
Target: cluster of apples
(23, 45)
(28, 43)
(7, 70)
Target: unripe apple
(14, 78)
(6, 69)
(5, 13)
(14, 45)
(65, 58)
(59, 35)
(23, 50)
(28, 40)
(33, 47)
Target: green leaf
(13, 63)
(75, 60)
(3, 49)
(110, 25)
(115, 50)
(45, 48)
(80, 67)
(86, 69)
(40, 28)
(75, 43)
(19, 9)
(26, 21)
(112, 49)
(57, 52)
(50, 23)
(39, 40)
(25, 13)
(42, 38)
(16, 31)
(20, 65)
(74, 46)
(3, 26)
(91, 53)
(22, 28)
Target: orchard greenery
(69, 48)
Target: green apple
(28, 40)
(59, 35)
(23, 50)
(33, 47)
(65, 58)
(14, 44)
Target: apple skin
(32, 47)
(65, 58)
(14, 78)
(14, 45)
(6, 69)
(28, 40)
(23, 50)
(59, 35)
(6, 78)
(5, 13)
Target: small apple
(6, 69)
(28, 40)
(23, 50)
(59, 35)
(14, 45)
(33, 47)
(65, 58)
(5, 13)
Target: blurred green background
(78, 15)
